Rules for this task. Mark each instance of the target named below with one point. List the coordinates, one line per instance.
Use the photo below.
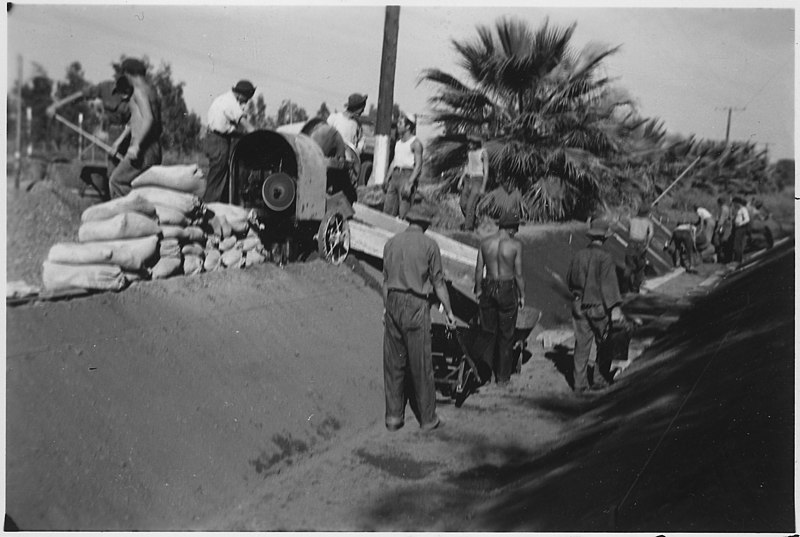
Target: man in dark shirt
(596, 301)
(412, 268)
(500, 294)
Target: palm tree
(547, 113)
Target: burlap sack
(166, 267)
(236, 216)
(128, 254)
(227, 244)
(254, 257)
(233, 259)
(212, 260)
(183, 178)
(170, 217)
(249, 243)
(192, 264)
(169, 248)
(182, 202)
(58, 276)
(183, 234)
(126, 204)
(121, 226)
(193, 248)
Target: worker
(592, 280)
(347, 122)
(412, 268)
(143, 132)
(705, 224)
(226, 122)
(501, 294)
(682, 246)
(723, 231)
(113, 112)
(473, 181)
(640, 235)
(405, 169)
(741, 228)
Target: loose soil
(253, 400)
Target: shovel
(94, 139)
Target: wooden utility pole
(730, 110)
(383, 126)
(18, 148)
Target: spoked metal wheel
(333, 238)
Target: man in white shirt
(741, 227)
(226, 121)
(405, 170)
(346, 123)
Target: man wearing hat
(592, 280)
(226, 122)
(500, 294)
(405, 170)
(346, 123)
(640, 235)
(143, 133)
(412, 269)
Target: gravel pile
(36, 220)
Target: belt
(409, 292)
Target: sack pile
(160, 229)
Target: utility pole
(18, 148)
(383, 126)
(730, 110)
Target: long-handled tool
(94, 139)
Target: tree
(323, 111)
(545, 111)
(256, 113)
(289, 112)
(37, 95)
(180, 128)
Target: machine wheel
(333, 237)
(366, 170)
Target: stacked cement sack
(158, 230)
(116, 242)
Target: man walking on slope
(592, 280)
(143, 132)
(225, 120)
(501, 294)
(412, 268)
(641, 233)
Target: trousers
(407, 361)
(590, 323)
(218, 149)
(635, 264)
(498, 314)
(470, 195)
(739, 239)
(119, 183)
(395, 204)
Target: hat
(739, 200)
(412, 118)
(599, 229)
(508, 220)
(644, 209)
(421, 212)
(122, 86)
(356, 101)
(133, 66)
(245, 87)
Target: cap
(508, 220)
(421, 212)
(599, 229)
(133, 66)
(411, 118)
(245, 87)
(356, 101)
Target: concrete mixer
(301, 200)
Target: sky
(686, 66)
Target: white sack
(166, 267)
(179, 201)
(183, 178)
(126, 204)
(56, 276)
(129, 254)
(121, 226)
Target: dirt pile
(37, 219)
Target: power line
(730, 110)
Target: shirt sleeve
(435, 264)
